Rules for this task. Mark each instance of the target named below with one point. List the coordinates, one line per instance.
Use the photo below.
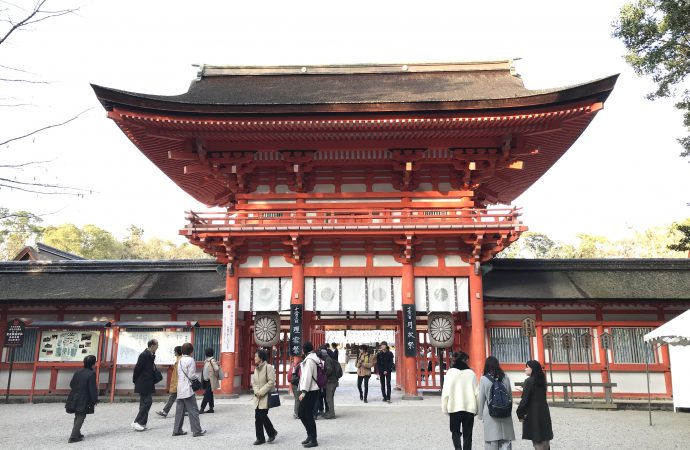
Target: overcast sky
(624, 173)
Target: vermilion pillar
(228, 359)
(477, 348)
(409, 363)
(297, 298)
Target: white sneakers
(137, 427)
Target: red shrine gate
(356, 194)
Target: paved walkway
(400, 425)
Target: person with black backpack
(496, 406)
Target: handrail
(411, 216)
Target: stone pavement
(401, 425)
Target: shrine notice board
(132, 343)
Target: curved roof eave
(186, 104)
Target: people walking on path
(459, 401)
(145, 377)
(495, 406)
(82, 398)
(333, 374)
(210, 381)
(364, 365)
(173, 384)
(533, 411)
(186, 397)
(384, 365)
(309, 389)
(263, 382)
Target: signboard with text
(14, 334)
(410, 329)
(227, 331)
(296, 330)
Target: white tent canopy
(674, 332)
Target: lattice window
(578, 354)
(206, 338)
(27, 352)
(629, 346)
(509, 345)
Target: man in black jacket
(384, 364)
(144, 384)
(82, 397)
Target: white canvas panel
(428, 261)
(385, 261)
(463, 287)
(286, 292)
(441, 294)
(353, 261)
(253, 261)
(455, 261)
(353, 294)
(320, 261)
(327, 294)
(381, 294)
(278, 261)
(266, 294)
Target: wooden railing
(403, 218)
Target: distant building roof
(110, 281)
(587, 279)
(43, 252)
(510, 280)
(354, 88)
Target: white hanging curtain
(285, 293)
(462, 285)
(326, 294)
(381, 293)
(353, 294)
(441, 294)
(265, 294)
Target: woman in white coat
(186, 397)
(498, 431)
(459, 401)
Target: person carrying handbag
(145, 377)
(187, 384)
(263, 382)
(210, 380)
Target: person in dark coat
(384, 365)
(145, 384)
(83, 397)
(533, 410)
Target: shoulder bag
(157, 375)
(273, 397)
(196, 383)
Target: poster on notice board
(132, 343)
(68, 345)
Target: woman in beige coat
(365, 362)
(210, 381)
(263, 382)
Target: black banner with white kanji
(296, 312)
(410, 329)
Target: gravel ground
(402, 424)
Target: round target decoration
(441, 329)
(266, 329)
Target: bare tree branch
(44, 128)
(20, 80)
(17, 166)
(35, 16)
